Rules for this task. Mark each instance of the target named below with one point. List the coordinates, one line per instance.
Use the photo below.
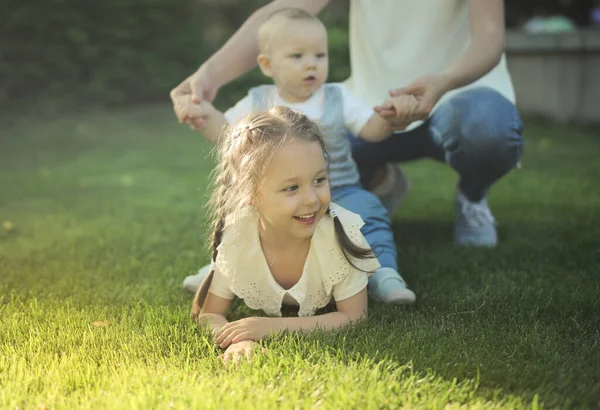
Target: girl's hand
(237, 351)
(251, 328)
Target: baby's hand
(237, 351)
(404, 105)
(399, 110)
(194, 114)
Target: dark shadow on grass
(422, 233)
(521, 317)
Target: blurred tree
(130, 51)
(123, 51)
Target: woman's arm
(237, 55)
(349, 310)
(486, 20)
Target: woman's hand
(237, 351)
(200, 87)
(426, 90)
(196, 115)
(251, 328)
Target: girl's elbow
(209, 318)
(200, 318)
(355, 317)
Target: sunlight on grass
(150, 356)
(102, 216)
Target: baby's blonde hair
(243, 154)
(276, 22)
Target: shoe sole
(404, 297)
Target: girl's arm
(213, 312)
(349, 310)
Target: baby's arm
(349, 310)
(378, 128)
(375, 130)
(214, 120)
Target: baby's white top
(241, 268)
(356, 112)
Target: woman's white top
(241, 267)
(394, 42)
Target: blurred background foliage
(122, 52)
(79, 52)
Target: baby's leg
(377, 229)
(386, 284)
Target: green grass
(107, 219)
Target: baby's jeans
(377, 229)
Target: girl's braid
(223, 183)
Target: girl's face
(294, 194)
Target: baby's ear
(264, 62)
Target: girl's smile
(307, 219)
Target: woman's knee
(490, 125)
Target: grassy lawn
(103, 218)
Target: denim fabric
(477, 132)
(377, 229)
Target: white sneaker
(474, 224)
(386, 285)
(193, 282)
(393, 189)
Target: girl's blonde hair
(243, 153)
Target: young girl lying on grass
(278, 238)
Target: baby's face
(299, 60)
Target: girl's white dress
(241, 268)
